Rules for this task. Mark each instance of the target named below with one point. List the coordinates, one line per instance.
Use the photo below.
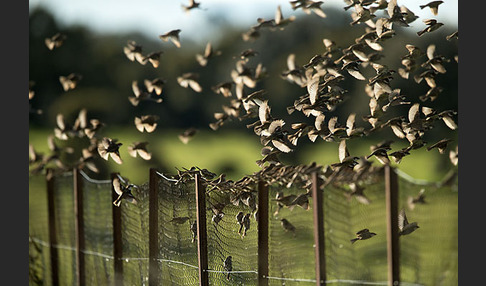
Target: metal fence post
(262, 233)
(393, 250)
(202, 244)
(318, 213)
(51, 212)
(117, 237)
(79, 227)
(153, 228)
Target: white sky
(155, 17)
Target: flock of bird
(320, 80)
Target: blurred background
(97, 32)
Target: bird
(133, 52)
(108, 147)
(287, 226)
(153, 58)
(156, 85)
(189, 79)
(217, 217)
(187, 135)
(440, 145)
(140, 149)
(404, 226)
(179, 219)
(141, 95)
(434, 6)
(203, 59)
(432, 25)
(173, 36)
(192, 5)
(419, 199)
(55, 41)
(239, 219)
(362, 235)
(124, 191)
(381, 155)
(280, 21)
(228, 266)
(454, 156)
(246, 224)
(193, 231)
(70, 81)
(146, 122)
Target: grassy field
(234, 153)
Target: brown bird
(189, 80)
(404, 226)
(419, 199)
(193, 231)
(203, 59)
(432, 25)
(133, 51)
(70, 81)
(153, 58)
(434, 6)
(156, 85)
(362, 235)
(124, 191)
(381, 155)
(55, 41)
(287, 226)
(140, 149)
(141, 95)
(246, 224)
(110, 147)
(440, 145)
(192, 5)
(146, 122)
(239, 219)
(173, 36)
(187, 135)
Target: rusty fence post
(117, 237)
(202, 243)
(51, 212)
(318, 213)
(262, 233)
(393, 250)
(153, 228)
(79, 227)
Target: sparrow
(140, 149)
(217, 217)
(189, 80)
(194, 231)
(419, 199)
(202, 59)
(55, 41)
(156, 85)
(381, 155)
(142, 94)
(108, 147)
(362, 235)
(441, 145)
(146, 122)
(228, 266)
(179, 219)
(192, 5)
(404, 226)
(239, 219)
(70, 81)
(246, 224)
(301, 200)
(434, 6)
(280, 21)
(124, 191)
(187, 135)
(287, 226)
(173, 36)
(133, 51)
(153, 58)
(432, 25)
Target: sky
(155, 17)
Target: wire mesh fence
(232, 216)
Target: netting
(428, 256)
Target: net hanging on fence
(98, 232)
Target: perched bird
(362, 235)
(179, 219)
(239, 219)
(287, 226)
(246, 224)
(404, 226)
(194, 231)
(187, 135)
(55, 41)
(434, 6)
(110, 147)
(70, 81)
(173, 36)
(124, 191)
(432, 25)
(146, 122)
(419, 199)
(140, 149)
(440, 145)
(189, 80)
(228, 266)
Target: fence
(184, 227)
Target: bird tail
(419, 33)
(354, 240)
